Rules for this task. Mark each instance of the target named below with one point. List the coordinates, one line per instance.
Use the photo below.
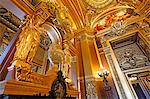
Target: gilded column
(90, 64)
(80, 72)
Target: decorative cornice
(8, 24)
(9, 19)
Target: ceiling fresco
(93, 14)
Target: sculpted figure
(50, 58)
(55, 55)
(67, 62)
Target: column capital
(89, 32)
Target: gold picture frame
(32, 3)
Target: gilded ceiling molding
(84, 31)
(134, 20)
(143, 9)
(82, 9)
(99, 3)
(74, 12)
(76, 7)
(79, 10)
(141, 6)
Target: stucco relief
(130, 57)
(118, 29)
(91, 90)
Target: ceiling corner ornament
(99, 3)
(118, 27)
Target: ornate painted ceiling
(98, 14)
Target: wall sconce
(107, 88)
(104, 75)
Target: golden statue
(29, 39)
(67, 62)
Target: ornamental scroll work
(118, 28)
(23, 73)
(99, 3)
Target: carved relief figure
(118, 27)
